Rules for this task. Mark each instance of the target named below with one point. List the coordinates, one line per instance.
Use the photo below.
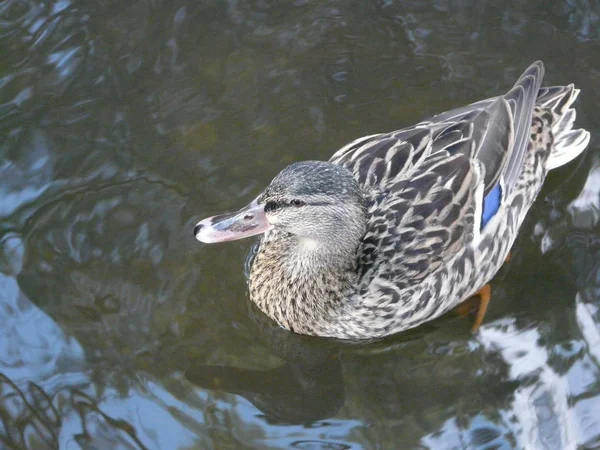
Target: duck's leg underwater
(479, 300)
(484, 294)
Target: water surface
(124, 123)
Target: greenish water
(124, 123)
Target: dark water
(123, 123)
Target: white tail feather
(568, 143)
(564, 122)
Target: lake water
(122, 123)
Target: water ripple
(123, 123)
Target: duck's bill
(246, 222)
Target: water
(124, 123)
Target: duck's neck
(301, 283)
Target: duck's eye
(297, 203)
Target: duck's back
(441, 188)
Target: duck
(398, 228)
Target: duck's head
(318, 202)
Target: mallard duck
(398, 228)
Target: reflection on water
(122, 123)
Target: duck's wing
(422, 220)
(500, 128)
(494, 132)
(437, 183)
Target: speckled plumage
(419, 248)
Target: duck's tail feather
(521, 98)
(568, 143)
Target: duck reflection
(311, 383)
(306, 388)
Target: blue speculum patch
(491, 204)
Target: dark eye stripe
(272, 206)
